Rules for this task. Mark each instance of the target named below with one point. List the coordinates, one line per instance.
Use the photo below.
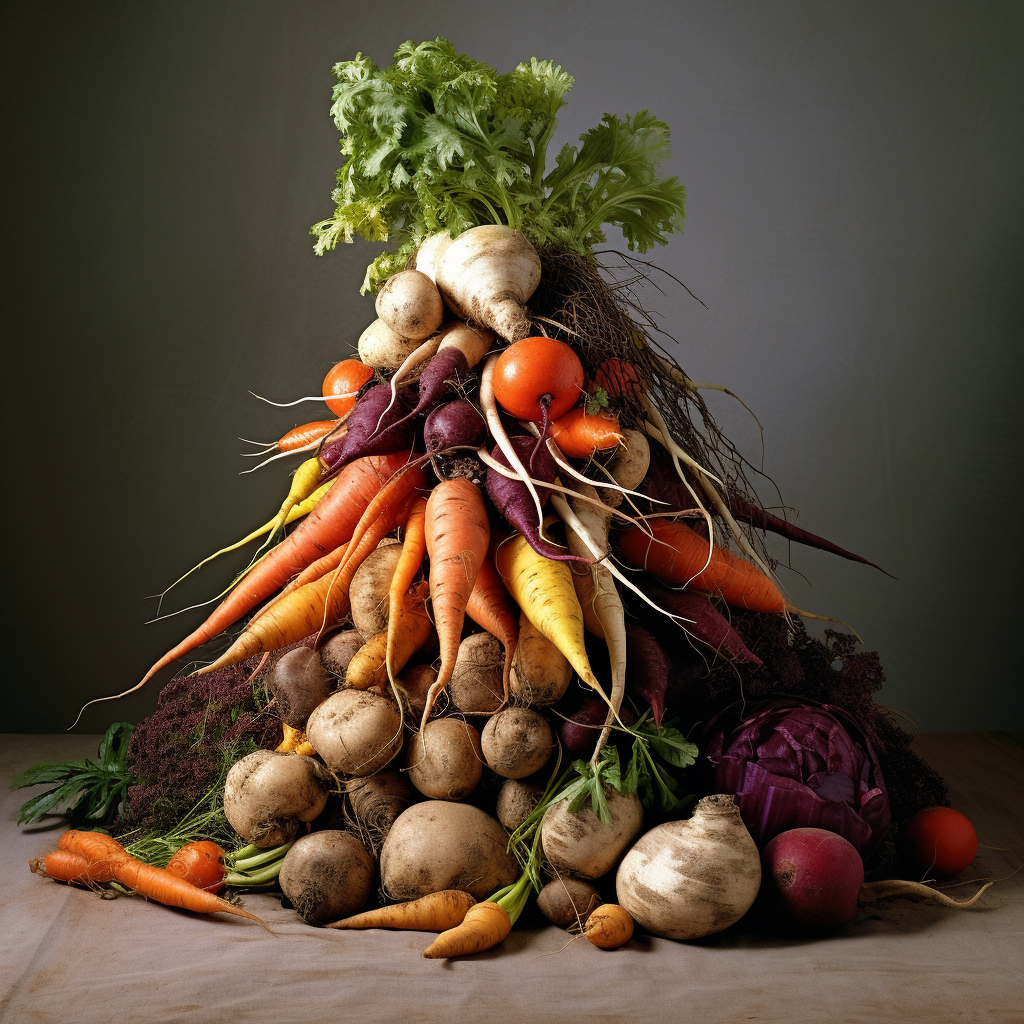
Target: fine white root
(419, 355)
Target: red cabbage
(799, 766)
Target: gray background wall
(854, 228)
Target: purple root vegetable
(454, 423)
(579, 732)
(706, 624)
(512, 499)
(647, 669)
(363, 436)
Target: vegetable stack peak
(441, 142)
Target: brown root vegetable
(688, 879)
(378, 800)
(298, 683)
(540, 672)
(440, 844)
(383, 349)
(270, 796)
(444, 759)
(415, 682)
(486, 275)
(339, 650)
(629, 466)
(516, 800)
(356, 732)
(581, 844)
(476, 685)
(567, 901)
(368, 592)
(410, 304)
(326, 875)
(517, 742)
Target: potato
(339, 650)
(581, 844)
(269, 796)
(368, 592)
(356, 732)
(326, 876)
(414, 682)
(540, 672)
(477, 686)
(440, 844)
(517, 799)
(298, 683)
(444, 759)
(517, 742)
(383, 349)
(410, 304)
(567, 901)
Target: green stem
(266, 856)
(514, 900)
(265, 877)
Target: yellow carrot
(436, 912)
(484, 926)
(412, 629)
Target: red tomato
(538, 372)
(619, 378)
(938, 842)
(202, 864)
(345, 378)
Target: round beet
(811, 878)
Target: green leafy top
(88, 791)
(439, 141)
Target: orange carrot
(579, 434)
(65, 866)
(313, 607)
(435, 912)
(678, 555)
(490, 606)
(306, 434)
(328, 525)
(154, 883)
(412, 629)
(160, 885)
(609, 927)
(409, 562)
(484, 926)
(457, 533)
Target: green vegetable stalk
(441, 142)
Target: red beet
(811, 878)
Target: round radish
(811, 877)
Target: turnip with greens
(579, 843)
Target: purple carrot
(750, 513)
(706, 623)
(512, 499)
(647, 669)
(363, 436)
(458, 422)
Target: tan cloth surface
(66, 955)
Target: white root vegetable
(429, 253)
(580, 844)
(410, 304)
(440, 844)
(486, 275)
(356, 732)
(269, 796)
(688, 879)
(383, 349)
(628, 467)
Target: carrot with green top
(435, 912)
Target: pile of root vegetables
(468, 608)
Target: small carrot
(579, 434)
(65, 866)
(458, 533)
(609, 927)
(413, 548)
(677, 554)
(306, 434)
(484, 926)
(435, 912)
(489, 606)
